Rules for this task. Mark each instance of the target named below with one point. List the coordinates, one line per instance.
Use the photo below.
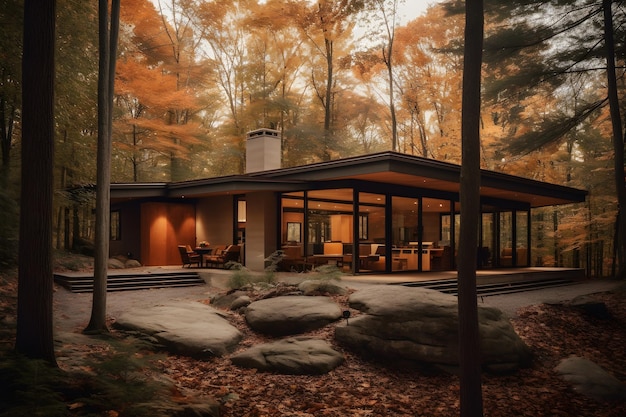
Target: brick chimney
(263, 150)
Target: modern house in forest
(381, 212)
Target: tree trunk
(469, 338)
(618, 140)
(108, 51)
(34, 303)
(7, 117)
(387, 57)
(328, 101)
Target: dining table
(203, 250)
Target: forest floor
(362, 387)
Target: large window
(404, 234)
(377, 232)
(330, 219)
(513, 238)
(292, 215)
(487, 239)
(521, 237)
(371, 248)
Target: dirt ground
(364, 388)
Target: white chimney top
(263, 150)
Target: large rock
(591, 306)
(232, 301)
(421, 325)
(591, 380)
(184, 327)
(292, 314)
(320, 286)
(295, 356)
(113, 263)
(132, 263)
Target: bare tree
(34, 302)
(469, 337)
(106, 77)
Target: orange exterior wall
(164, 226)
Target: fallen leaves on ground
(361, 387)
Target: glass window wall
(371, 244)
(370, 232)
(487, 239)
(405, 234)
(521, 237)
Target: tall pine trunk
(106, 77)
(34, 299)
(469, 337)
(618, 141)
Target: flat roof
(380, 168)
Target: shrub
(329, 272)
(240, 277)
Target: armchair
(230, 254)
(188, 257)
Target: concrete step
(449, 286)
(126, 282)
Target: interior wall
(432, 227)
(341, 228)
(376, 226)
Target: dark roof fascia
(371, 163)
(419, 166)
(374, 187)
(529, 186)
(230, 185)
(139, 190)
(321, 174)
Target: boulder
(294, 356)
(591, 306)
(591, 380)
(184, 327)
(321, 286)
(228, 300)
(132, 263)
(421, 325)
(115, 264)
(291, 314)
(240, 302)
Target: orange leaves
(361, 388)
